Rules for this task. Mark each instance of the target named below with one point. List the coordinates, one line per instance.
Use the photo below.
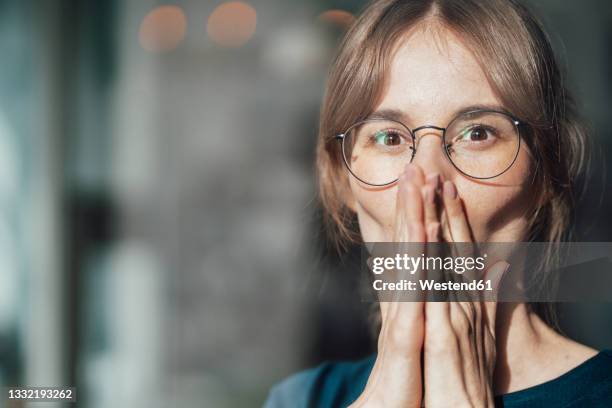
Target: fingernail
(434, 180)
(450, 190)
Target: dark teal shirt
(339, 384)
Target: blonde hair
(521, 67)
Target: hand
(395, 379)
(457, 338)
(459, 343)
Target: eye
(476, 133)
(388, 138)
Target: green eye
(387, 138)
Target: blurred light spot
(340, 18)
(232, 24)
(163, 29)
(295, 50)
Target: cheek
(375, 209)
(501, 204)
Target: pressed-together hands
(433, 354)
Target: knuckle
(402, 336)
(441, 346)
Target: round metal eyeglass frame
(341, 137)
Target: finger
(433, 230)
(429, 199)
(400, 233)
(436, 311)
(408, 210)
(410, 214)
(411, 189)
(415, 174)
(409, 230)
(433, 251)
(399, 316)
(457, 222)
(495, 275)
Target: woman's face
(432, 76)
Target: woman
(448, 121)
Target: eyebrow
(401, 116)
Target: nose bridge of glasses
(429, 127)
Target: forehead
(432, 75)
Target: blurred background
(160, 244)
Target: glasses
(481, 144)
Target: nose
(429, 151)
